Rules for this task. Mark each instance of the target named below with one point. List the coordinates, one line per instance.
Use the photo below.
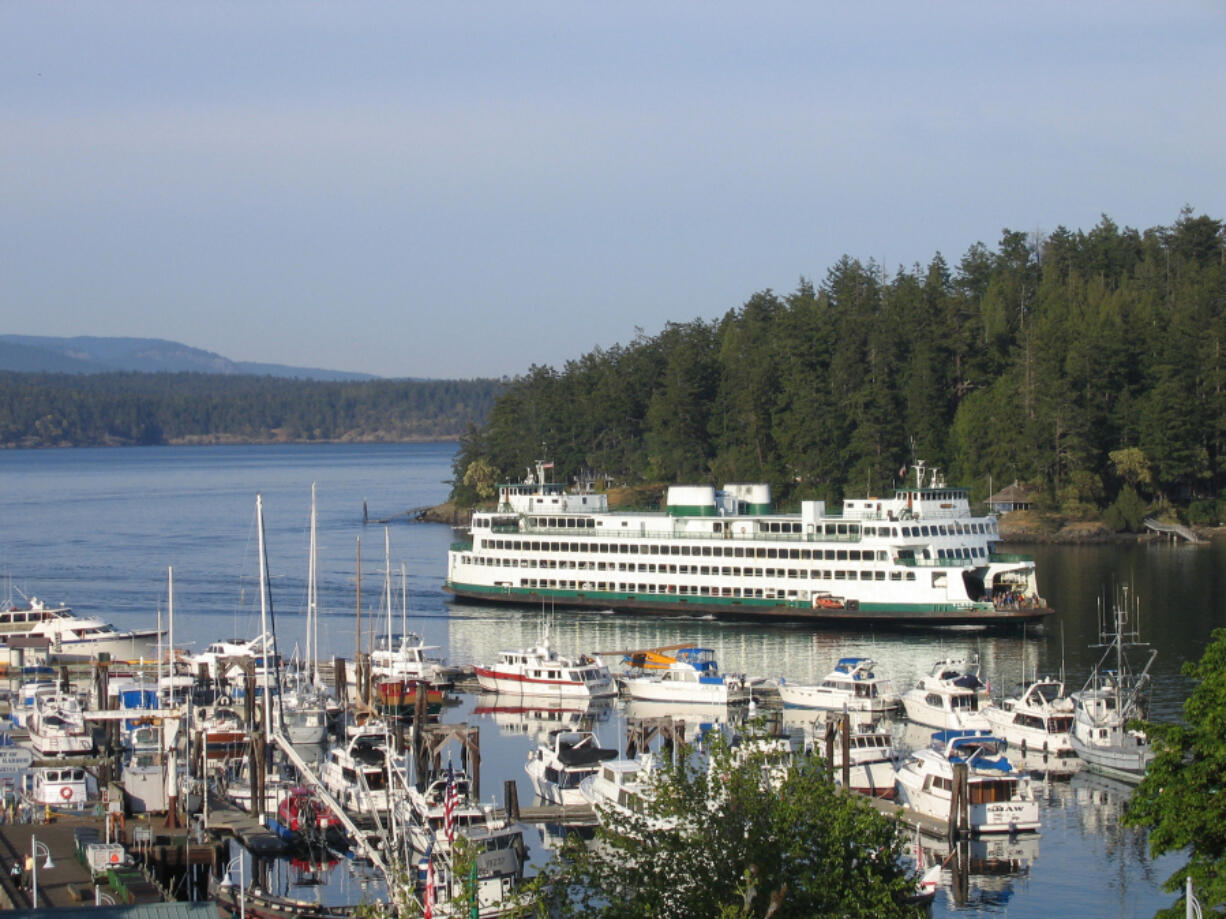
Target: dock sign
(14, 760)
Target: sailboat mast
(170, 610)
(259, 513)
(387, 582)
(312, 635)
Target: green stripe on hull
(750, 607)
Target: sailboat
(304, 710)
(1113, 697)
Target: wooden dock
(1173, 531)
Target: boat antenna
(1061, 651)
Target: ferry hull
(920, 614)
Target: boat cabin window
(992, 791)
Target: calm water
(98, 528)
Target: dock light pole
(35, 848)
(242, 885)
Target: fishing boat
(851, 686)
(1113, 697)
(1039, 720)
(950, 697)
(556, 768)
(692, 678)
(397, 697)
(63, 787)
(542, 671)
(71, 636)
(919, 557)
(1000, 798)
(223, 731)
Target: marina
(1079, 817)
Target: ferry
(920, 557)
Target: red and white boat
(541, 671)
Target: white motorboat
(950, 697)
(28, 693)
(1000, 798)
(57, 725)
(556, 768)
(693, 677)
(356, 773)
(541, 671)
(235, 652)
(70, 636)
(1038, 721)
(870, 753)
(1110, 700)
(497, 842)
(851, 686)
(623, 787)
(406, 656)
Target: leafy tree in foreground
(1182, 799)
(736, 836)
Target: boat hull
(901, 614)
(515, 684)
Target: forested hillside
(155, 408)
(1088, 363)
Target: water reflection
(534, 717)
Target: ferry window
(706, 550)
(841, 555)
(772, 553)
(793, 553)
(879, 576)
(842, 529)
(840, 575)
(910, 576)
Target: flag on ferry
(450, 798)
(548, 465)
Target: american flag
(548, 465)
(450, 798)
(427, 899)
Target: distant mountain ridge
(89, 354)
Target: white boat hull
(514, 684)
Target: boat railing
(937, 562)
(1005, 558)
(622, 535)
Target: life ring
(66, 793)
(224, 700)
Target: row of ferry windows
(817, 574)
(777, 526)
(681, 590)
(840, 555)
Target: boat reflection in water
(981, 872)
(534, 717)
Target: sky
(465, 189)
